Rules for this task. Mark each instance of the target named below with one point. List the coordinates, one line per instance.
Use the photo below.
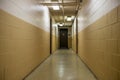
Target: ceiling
(68, 8)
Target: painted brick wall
(22, 47)
(74, 36)
(99, 46)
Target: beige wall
(70, 37)
(54, 35)
(69, 42)
(74, 43)
(24, 37)
(29, 11)
(74, 36)
(98, 25)
(54, 43)
(22, 47)
(92, 10)
(99, 46)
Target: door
(50, 35)
(77, 35)
(63, 38)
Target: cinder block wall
(99, 46)
(69, 42)
(23, 46)
(74, 43)
(54, 43)
(74, 36)
(54, 35)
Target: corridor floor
(62, 65)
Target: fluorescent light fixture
(56, 8)
(60, 24)
(69, 19)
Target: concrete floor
(62, 65)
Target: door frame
(77, 35)
(59, 36)
(50, 35)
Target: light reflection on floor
(62, 65)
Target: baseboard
(88, 68)
(36, 67)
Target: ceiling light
(73, 17)
(60, 24)
(56, 8)
(69, 19)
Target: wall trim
(36, 67)
(88, 67)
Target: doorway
(50, 35)
(63, 38)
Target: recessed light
(60, 24)
(56, 8)
(69, 19)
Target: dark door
(50, 35)
(63, 38)
(77, 35)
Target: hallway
(36, 33)
(63, 65)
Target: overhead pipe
(54, 3)
(63, 12)
(60, 4)
(79, 4)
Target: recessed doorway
(63, 33)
